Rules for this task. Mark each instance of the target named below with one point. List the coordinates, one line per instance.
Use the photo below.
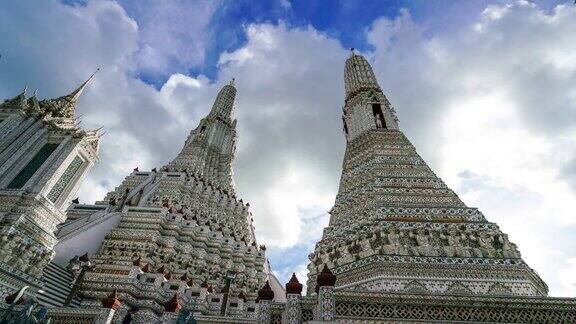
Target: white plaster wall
(85, 241)
(277, 287)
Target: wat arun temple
(176, 244)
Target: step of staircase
(57, 287)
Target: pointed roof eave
(65, 106)
(74, 95)
(33, 103)
(18, 101)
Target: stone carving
(394, 246)
(9, 244)
(458, 288)
(264, 312)
(415, 286)
(454, 244)
(507, 249)
(485, 244)
(21, 261)
(40, 261)
(326, 304)
(423, 247)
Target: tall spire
(224, 103)
(65, 106)
(366, 107)
(74, 95)
(358, 75)
(209, 149)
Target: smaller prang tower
(44, 156)
(396, 227)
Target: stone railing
(354, 305)
(221, 319)
(330, 305)
(337, 305)
(80, 315)
(30, 313)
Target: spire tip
(76, 93)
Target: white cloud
(173, 33)
(566, 275)
(285, 4)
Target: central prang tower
(209, 150)
(395, 226)
(174, 237)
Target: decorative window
(378, 116)
(33, 165)
(65, 179)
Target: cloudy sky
(486, 91)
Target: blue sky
(483, 89)
(346, 21)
